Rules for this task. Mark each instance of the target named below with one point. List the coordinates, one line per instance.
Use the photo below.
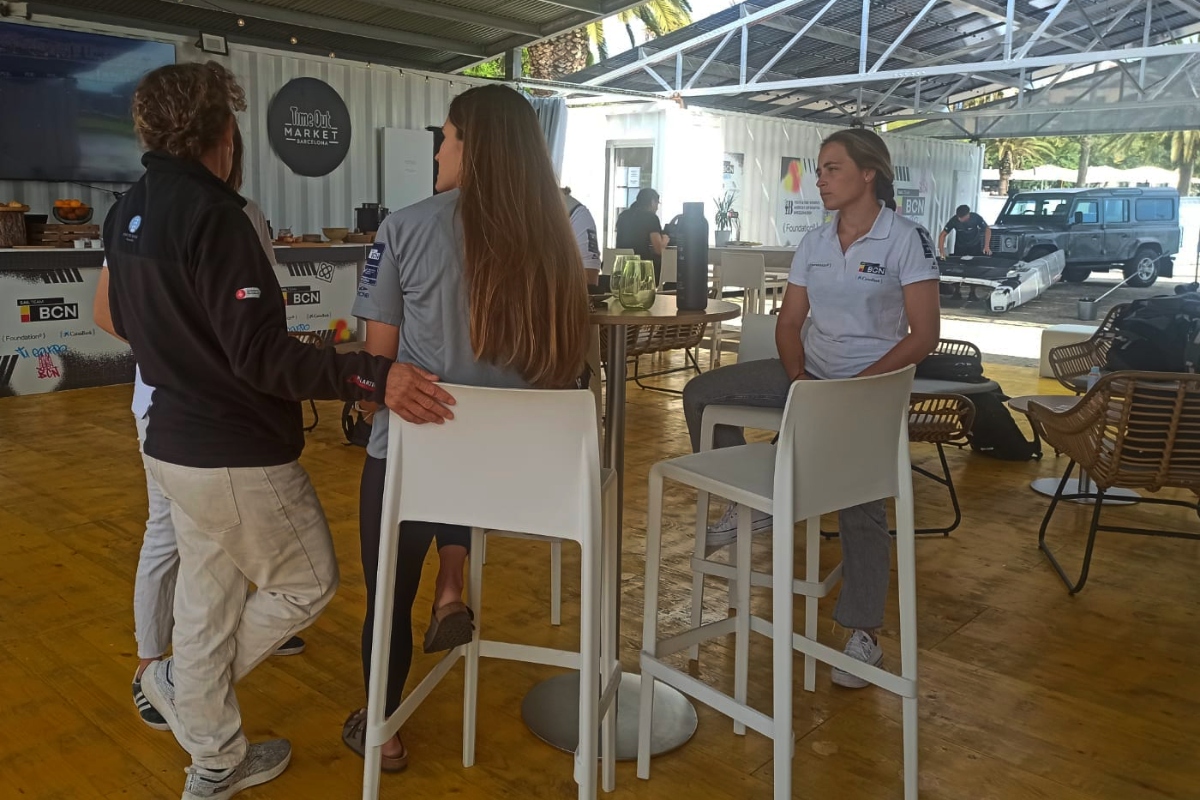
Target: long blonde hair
(526, 286)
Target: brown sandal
(354, 734)
(450, 626)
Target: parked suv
(1135, 230)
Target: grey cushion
(927, 386)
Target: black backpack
(355, 428)
(1157, 334)
(995, 432)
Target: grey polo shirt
(857, 297)
(413, 279)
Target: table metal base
(1112, 497)
(551, 710)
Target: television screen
(65, 100)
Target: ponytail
(885, 190)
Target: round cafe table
(1083, 484)
(551, 709)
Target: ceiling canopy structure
(434, 35)
(961, 68)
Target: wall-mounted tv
(65, 103)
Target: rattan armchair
(940, 420)
(1134, 430)
(1071, 363)
(644, 340)
(314, 339)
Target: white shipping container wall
(376, 97)
(945, 174)
(689, 146)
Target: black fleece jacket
(192, 291)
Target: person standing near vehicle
(972, 236)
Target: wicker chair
(314, 339)
(1071, 363)
(643, 340)
(1136, 430)
(940, 420)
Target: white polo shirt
(857, 297)
(583, 224)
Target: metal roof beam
(1035, 62)
(456, 14)
(694, 42)
(302, 19)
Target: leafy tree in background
(570, 52)
(1012, 154)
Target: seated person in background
(481, 284)
(583, 225)
(639, 230)
(972, 236)
(870, 281)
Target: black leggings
(414, 544)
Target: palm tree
(1085, 160)
(1185, 153)
(570, 52)
(1013, 154)
(1184, 147)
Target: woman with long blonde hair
(481, 284)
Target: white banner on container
(800, 206)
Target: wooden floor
(1025, 691)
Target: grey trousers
(866, 543)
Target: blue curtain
(552, 113)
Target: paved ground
(1058, 304)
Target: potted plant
(724, 218)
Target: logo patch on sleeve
(926, 242)
(593, 243)
(370, 273)
(249, 293)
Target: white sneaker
(861, 647)
(724, 531)
(264, 761)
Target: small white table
(1083, 484)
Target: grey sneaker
(263, 762)
(861, 647)
(159, 688)
(724, 531)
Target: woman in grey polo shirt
(868, 279)
(481, 284)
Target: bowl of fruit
(72, 212)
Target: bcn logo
(47, 310)
(295, 296)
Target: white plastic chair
(747, 271)
(670, 266)
(527, 463)
(864, 421)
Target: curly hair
(183, 109)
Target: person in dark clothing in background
(639, 230)
(972, 236)
(193, 293)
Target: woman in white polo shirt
(869, 280)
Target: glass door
(630, 169)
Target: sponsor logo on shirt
(593, 243)
(301, 295)
(249, 293)
(871, 268)
(370, 273)
(47, 309)
(135, 223)
(926, 243)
